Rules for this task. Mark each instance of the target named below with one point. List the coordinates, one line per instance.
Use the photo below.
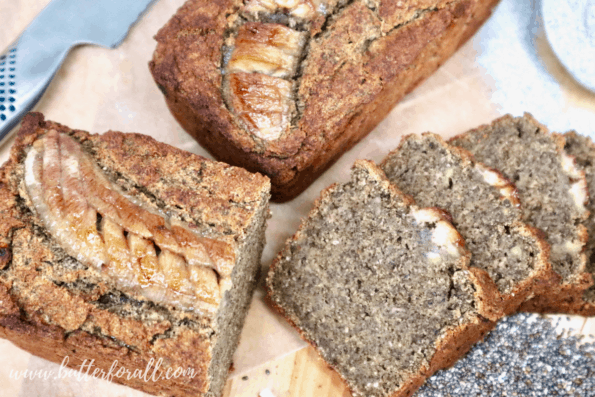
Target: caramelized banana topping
(141, 249)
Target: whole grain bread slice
(54, 305)
(553, 192)
(582, 148)
(485, 209)
(380, 287)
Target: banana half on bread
(118, 247)
(285, 87)
(380, 287)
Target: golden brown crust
(224, 202)
(53, 307)
(563, 298)
(33, 334)
(348, 85)
(451, 346)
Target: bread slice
(485, 209)
(582, 148)
(380, 287)
(553, 192)
(118, 247)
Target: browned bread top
(156, 247)
(286, 86)
(222, 197)
(56, 301)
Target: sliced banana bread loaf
(118, 247)
(485, 209)
(553, 192)
(380, 287)
(582, 149)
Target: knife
(32, 60)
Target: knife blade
(31, 61)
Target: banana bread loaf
(485, 209)
(553, 192)
(285, 87)
(381, 288)
(118, 247)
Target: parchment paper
(507, 67)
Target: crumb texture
(483, 206)
(374, 283)
(582, 148)
(551, 189)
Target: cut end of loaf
(55, 301)
(236, 301)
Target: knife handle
(26, 69)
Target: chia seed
(523, 356)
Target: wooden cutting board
(298, 374)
